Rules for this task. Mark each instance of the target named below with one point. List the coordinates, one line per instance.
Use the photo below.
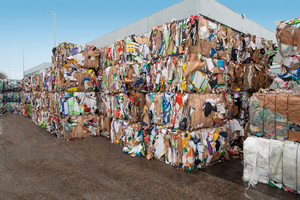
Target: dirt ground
(36, 165)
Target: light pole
(54, 28)
(23, 62)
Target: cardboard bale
(153, 109)
(190, 150)
(205, 110)
(78, 103)
(91, 57)
(137, 77)
(76, 79)
(180, 111)
(78, 127)
(139, 140)
(118, 129)
(120, 106)
(136, 106)
(105, 104)
(104, 126)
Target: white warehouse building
(210, 9)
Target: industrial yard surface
(36, 165)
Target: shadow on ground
(36, 165)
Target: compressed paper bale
(167, 107)
(250, 158)
(117, 130)
(263, 160)
(104, 125)
(204, 110)
(276, 152)
(179, 113)
(153, 108)
(159, 146)
(136, 104)
(77, 103)
(120, 106)
(105, 102)
(132, 137)
(78, 127)
(290, 165)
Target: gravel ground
(36, 165)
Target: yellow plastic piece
(184, 66)
(73, 89)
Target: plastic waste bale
(2, 108)
(263, 160)
(275, 115)
(256, 116)
(1, 85)
(289, 173)
(251, 147)
(298, 169)
(276, 156)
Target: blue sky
(28, 24)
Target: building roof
(208, 8)
(38, 68)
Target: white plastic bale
(250, 156)
(298, 169)
(276, 150)
(263, 160)
(290, 164)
